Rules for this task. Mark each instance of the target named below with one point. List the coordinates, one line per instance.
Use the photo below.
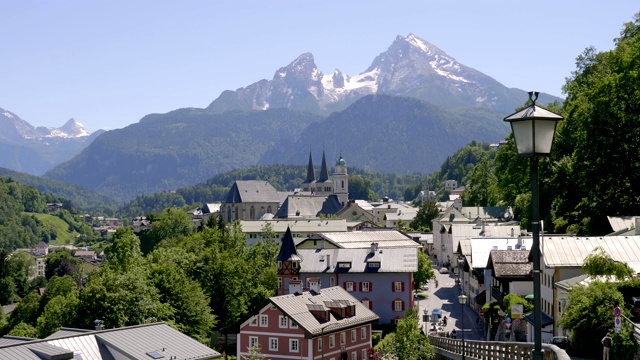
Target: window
(363, 333)
(343, 338)
(354, 355)
(293, 324)
(320, 344)
(253, 342)
(344, 265)
(349, 286)
(367, 303)
(293, 345)
(398, 286)
(332, 281)
(353, 335)
(295, 265)
(365, 286)
(283, 321)
(279, 283)
(273, 344)
(364, 354)
(254, 321)
(279, 264)
(398, 305)
(264, 321)
(374, 264)
(332, 341)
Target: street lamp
(462, 299)
(533, 130)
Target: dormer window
(344, 265)
(374, 264)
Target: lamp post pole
(535, 227)
(462, 299)
(533, 131)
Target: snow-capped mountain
(411, 67)
(35, 150)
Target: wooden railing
(493, 350)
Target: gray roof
(481, 248)
(510, 264)
(308, 206)
(392, 260)
(297, 308)
(570, 251)
(252, 191)
(363, 239)
(621, 222)
(133, 342)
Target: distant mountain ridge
(411, 66)
(414, 106)
(34, 150)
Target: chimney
(295, 287)
(328, 261)
(314, 285)
(374, 247)
(512, 231)
(98, 324)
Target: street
(445, 297)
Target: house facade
(375, 267)
(316, 324)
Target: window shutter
(370, 286)
(403, 306)
(402, 286)
(393, 286)
(361, 285)
(344, 285)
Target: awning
(545, 319)
(481, 298)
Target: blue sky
(109, 63)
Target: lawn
(60, 227)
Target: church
(323, 185)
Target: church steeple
(324, 173)
(311, 176)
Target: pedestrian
(606, 345)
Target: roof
(248, 191)
(363, 239)
(288, 248)
(311, 176)
(305, 226)
(134, 342)
(324, 172)
(621, 222)
(583, 279)
(308, 206)
(487, 212)
(570, 251)
(481, 248)
(546, 319)
(297, 308)
(510, 264)
(391, 260)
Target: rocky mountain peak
(303, 67)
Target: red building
(319, 324)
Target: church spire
(324, 173)
(311, 176)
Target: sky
(108, 63)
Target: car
(635, 310)
(562, 342)
(437, 312)
(425, 287)
(444, 270)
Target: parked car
(425, 287)
(444, 270)
(437, 311)
(562, 342)
(635, 310)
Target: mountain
(411, 66)
(35, 150)
(177, 149)
(392, 134)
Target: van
(635, 309)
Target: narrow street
(445, 297)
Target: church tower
(309, 183)
(324, 183)
(341, 181)
(288, 264)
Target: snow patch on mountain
(8, 115)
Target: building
(316, 324)
(300, 228)
(149, 341)
(325, 186)
(251, 200)
(376, 267)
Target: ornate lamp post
(462, 299)
(533, 130)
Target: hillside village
(350, 265)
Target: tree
(27, 310)
(425, 270)
(60, 263)
(24, 330)
(599, 263)
(59, 311)
(407, 342)
(124, 253)
(588, 314)
(478, 191)
(58, 286)
(426, 213)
